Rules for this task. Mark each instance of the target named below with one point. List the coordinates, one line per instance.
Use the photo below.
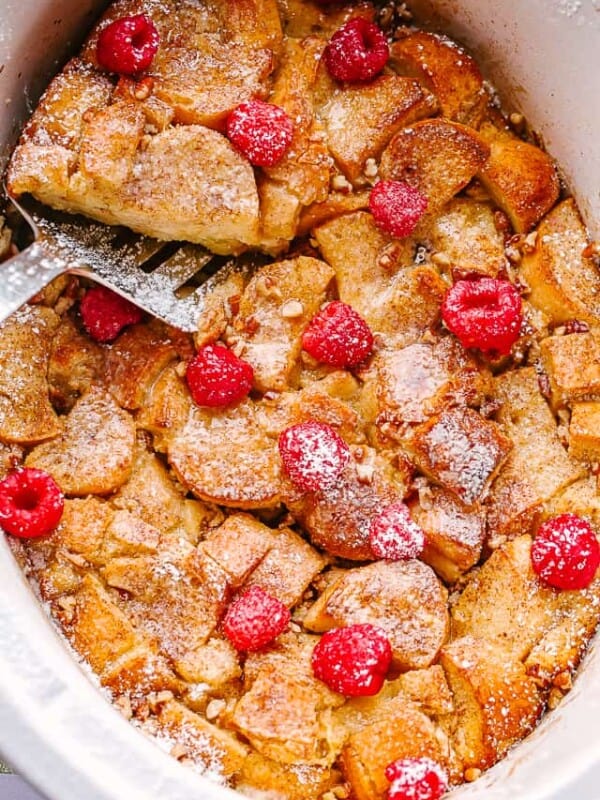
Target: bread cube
(572, 364)
(336, 204)
(225, 457)
(276, 307)
(238, 546)
(94, 453)
(584, 431)
(446, 70)
(461, 451)
(139, 672)
(465, 233)
(538, 466)
(206, 744)
(26, 415)
(83, 528)
(128, 535)
(361, 119)
(280, 211)
(309, 782)
(436, 156)
(499, 703)
(521, 178)
(300, 18)
(403, 598)
(75, 363)
(428, 689)
(99, 630)
(581, 497)
(215, 663)
(564, 284)
(166, 409)
(454, 534)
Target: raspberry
(338, 336)
(262, 132)
(31, 503)
(485, 314)
(255, 619)
(217, 377)
(397, 207)
(128, 45)
(416, 779)
(565, 553)
(394, 535)
(357, 51)
(313, 455)
(105, 313)
(353, 661)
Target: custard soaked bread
(310, 549)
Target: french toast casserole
(341, 542)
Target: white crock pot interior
(55, 727)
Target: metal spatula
(149, 273)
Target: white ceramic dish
(55, 727)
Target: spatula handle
(24, 275)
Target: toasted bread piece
(75, 364)
(564, 284)
(522, 179)
(274, 573)
(99, 630)
(584, 431)
(446, 70)
(336, 204)
(454, 534)
(225, 457)
(94, 453)
(376, 276)
(581, 497)
(216, 664)
(465, 234)
(280, 211)
(274, 310)
(461, 451)
(26, 416)
(428, 689)
(301, 18)
(139, 672)
(128, 535)
(436, 156)
(504, 603)
(538, 467)
(404, 598)
(166, 408)
(360, 120)
(238, 546)
(416, 381)
(136, 359)
(402, 732)
(308, 782)
(498, 703)
(572, 363)
(339, 517)
(211, 56)
(206, 744)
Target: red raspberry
(255, 619)
(128, 45)
(354, 660)
(217, 377)
(357, 51)
(313, 455)
(394, 535)
(397, 207)
(485, 314)
(565, 553)
(262, 132)
(31, 503)
(416, 779)
(338, 336)
(105, 313)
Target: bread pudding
(346, 531)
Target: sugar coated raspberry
(128, 45)
(262, 132)
(394, 535)
(354, 660)
(565, 553)
(217, 377)
(255, 619)
(357, 51)
(416, 779)
(396, 207)
(338, 336)
(313, 455)
(485, 314)
(31, 503)
(105, 313)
